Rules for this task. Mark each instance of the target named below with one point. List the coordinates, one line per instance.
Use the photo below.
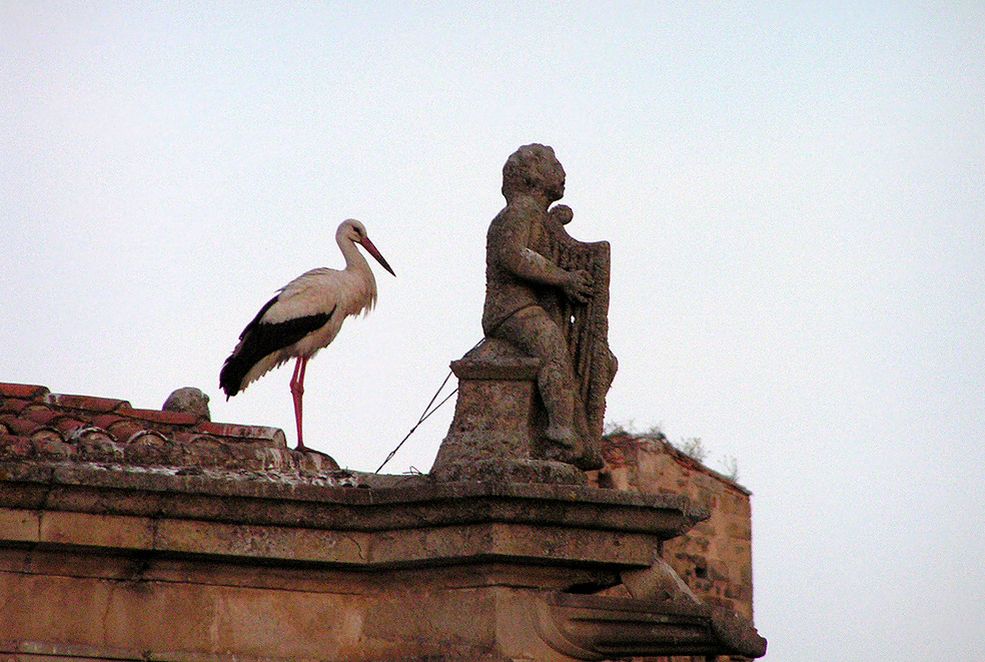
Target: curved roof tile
(40, 426)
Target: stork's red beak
(368, 245)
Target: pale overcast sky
(794, 197)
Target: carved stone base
(498, 429)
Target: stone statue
(517, 274)
(545, 322)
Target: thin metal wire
(426, 414)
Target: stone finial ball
(190, 400)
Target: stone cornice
(423, 524)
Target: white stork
(305, 316)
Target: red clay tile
(29, 391)
(106, 420)
(13, 405)
(150, 447)
(16, 425)
(67, 424)
(46, 434)
(238, 431)
(189, 436)
(37, 423)
(51, 447)
(156, 416)
(98, 447)
(85, 402)
(39, 414)
(123, 429)
(149, 437)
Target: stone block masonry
(715, 557)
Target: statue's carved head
(533, 169)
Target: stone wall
(133, 534)
(107, 564)
(715, 557)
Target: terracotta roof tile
(237, 431)
(67, 424)
(38, 414)
(123, 429)
(46, 433)
(84, 402)
(37, 425)
(89, 432)
(52, 446)
(17, 425)
(156, 416)
(27, 391)
(13, 404)
(106, 420)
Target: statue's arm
(508, 247)
(507, 243)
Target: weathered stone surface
(19, 525)
(658, 582)
(189, 400)
(497, 433)
(422, 504)
(95, 445)
(714, 558)
(510, 471)
(590, 627)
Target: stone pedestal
(497, 432)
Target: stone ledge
(415, 526)
(81, 488)
(424, 570)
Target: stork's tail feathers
(233, 373)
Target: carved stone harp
(585, 326)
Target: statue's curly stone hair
(525, 169)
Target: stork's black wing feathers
(256, 320)
(262, 338)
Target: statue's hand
(578, 285)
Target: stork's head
(355, 232)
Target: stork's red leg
(297, 391)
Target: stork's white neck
(354, 260)
(364, 295)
